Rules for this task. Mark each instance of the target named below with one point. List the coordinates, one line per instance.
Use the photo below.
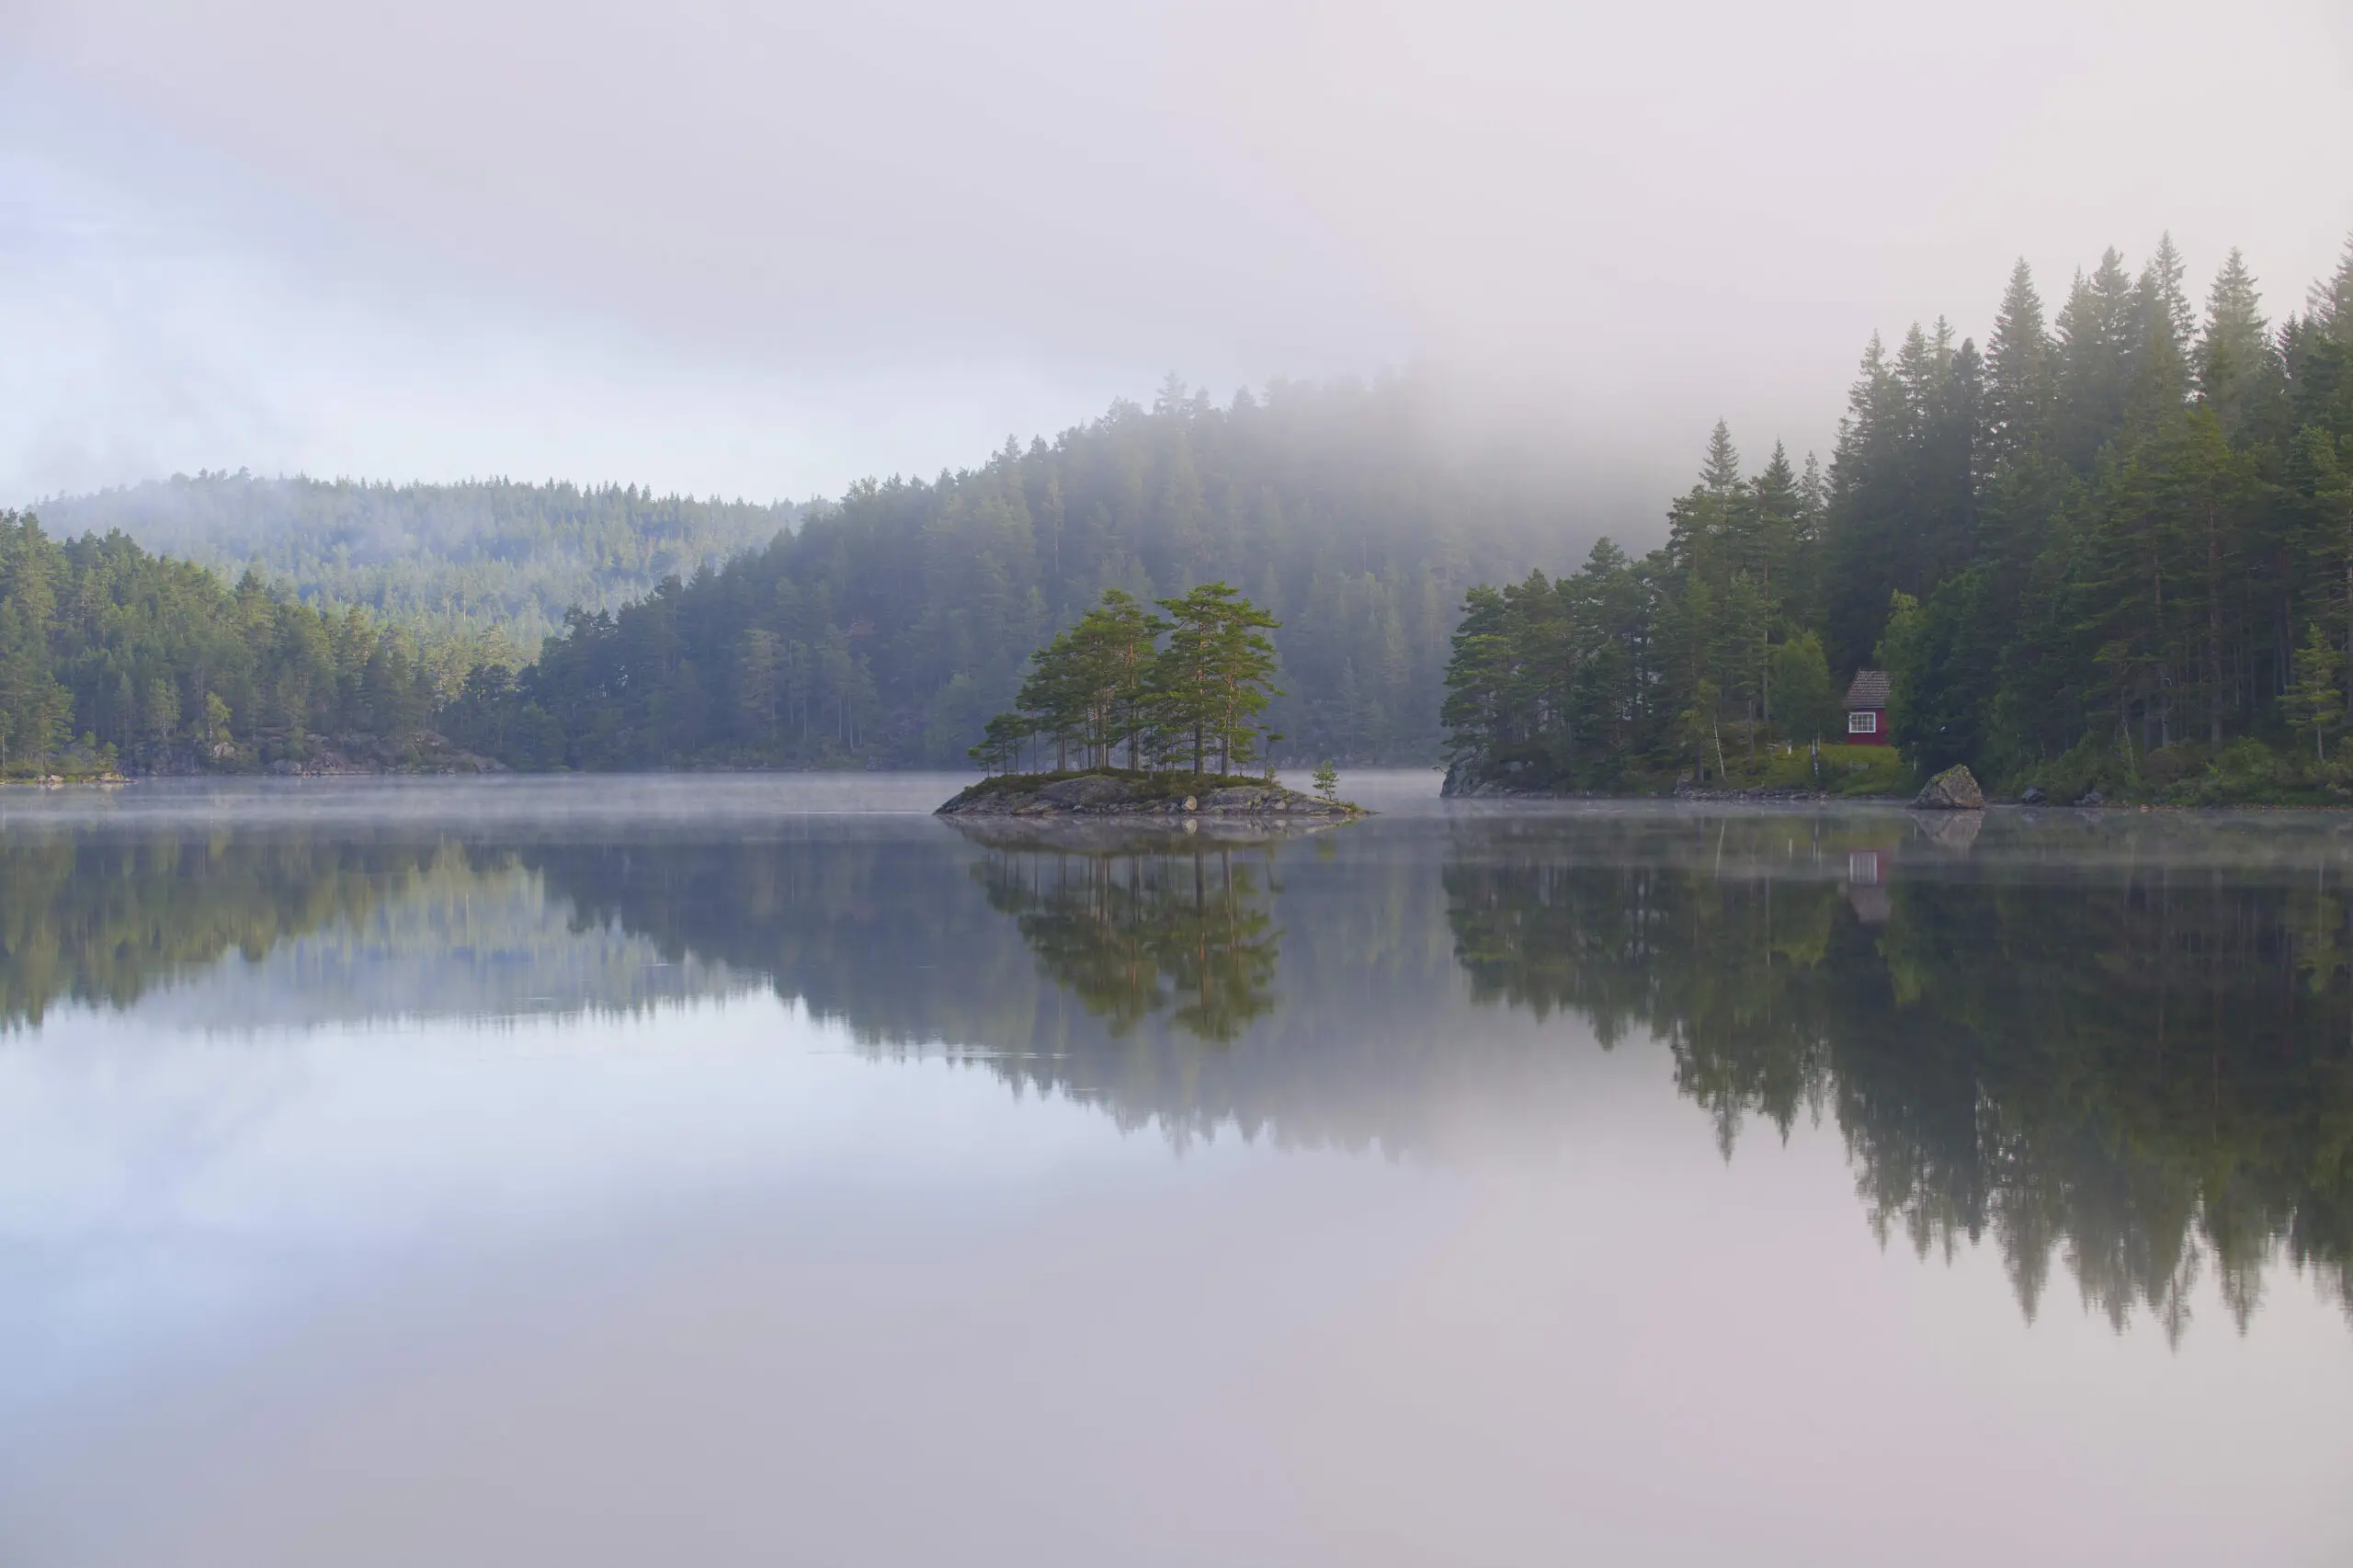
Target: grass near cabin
(1843, 770)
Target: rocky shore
(1146, 795)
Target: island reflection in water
(2120, 1046)
(738, 1170)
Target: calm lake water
(737, 1170)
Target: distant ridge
(490, 556)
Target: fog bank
(768, 250)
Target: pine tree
(1216, 675)
(2021, 379)
(2097, 351)
(2161, 340)
(34, 707)
(2316, 703)
(2330, 303)
(1747, 651)
(2235, 347)
(2161, 298)
(1703, 526)
(1772, 533)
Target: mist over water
(594, 1166)
(583, 1170)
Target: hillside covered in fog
(889, 627)
(882, 631)
(485, 557)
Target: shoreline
(1102, 792)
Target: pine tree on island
(1106, 691)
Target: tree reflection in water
(2135, 1058)
(1184, 929)
(2122, 1050)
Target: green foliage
(1328, 780)
(2245, 770)
(1092, 688)
(2315, 704)
(1569, 682)
(905, 615)
(1105, 683)
(2102, 540)
(1216, 675)
(489, 564)
(34, 708)
(1804, 708)
(159, 664)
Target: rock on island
(1139, 795)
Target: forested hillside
(890, 627)
(111, 657)
(2113, 549)
(489, 562)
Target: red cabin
(1867, 709)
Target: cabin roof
(1869, 689)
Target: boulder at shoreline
(1954, 790)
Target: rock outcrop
(1954, 790)
(1097, 794)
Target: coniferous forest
(111, 656)
(2113, 549)
(486, 568)
(881, 631)
(891, 626)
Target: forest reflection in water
(2123, 1048)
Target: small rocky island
(1124, 794)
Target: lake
(737, 1169)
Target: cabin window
(1863, 724)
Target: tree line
(2114, 547)
(111, 656)
(484, 568)
(883, 630)
(891, 626)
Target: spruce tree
(2097, 352)
(2162, 297)
(1868, 494)
(1703, 524)
(2330, 303)
(2316, 703)
(2022, 383)
(34, 708)
(2235, 349)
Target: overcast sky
(765, 248)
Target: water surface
(751, 1170)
